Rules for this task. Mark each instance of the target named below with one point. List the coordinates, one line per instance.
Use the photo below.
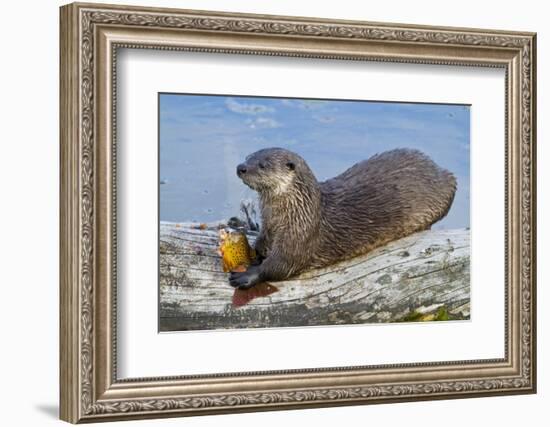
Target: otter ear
(291, 165)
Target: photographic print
(282, 212)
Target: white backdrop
(29, 221)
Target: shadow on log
(425, 276)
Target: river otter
(308, 224)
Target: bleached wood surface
(423, 273)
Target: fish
(236, 252)
(237, 255)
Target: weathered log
(425, 276)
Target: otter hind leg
(446, 191)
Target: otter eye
(262, 165)
(291, 165)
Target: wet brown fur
(307, 224)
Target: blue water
(203, 138)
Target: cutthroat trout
(235, 251)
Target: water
(203, 138)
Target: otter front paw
(246, 279)
(258, 260)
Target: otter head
(273, 170)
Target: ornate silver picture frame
(91, 37)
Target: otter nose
(241, 169)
